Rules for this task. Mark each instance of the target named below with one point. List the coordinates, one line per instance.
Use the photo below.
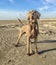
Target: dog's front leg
(28, 45)
(35, 43)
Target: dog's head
(33, 15)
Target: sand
(10, 55)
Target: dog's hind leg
(21, 33)
(19, 37)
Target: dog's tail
(20, 21)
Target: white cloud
(49, 14)
(49, 2)
(9, 15)
(34, 2)
(43, 8)
(12, 14)
(11, 1)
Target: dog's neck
(32, 20)
(33, 24)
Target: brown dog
(31, 29)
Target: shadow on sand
(44, 41)
(44, 51)
(47, 41)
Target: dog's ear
(38, 14)
(28, 16)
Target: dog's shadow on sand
(46, 42)
(41, 42)
(44, 51)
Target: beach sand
(10, 55)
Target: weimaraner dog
(31, 30)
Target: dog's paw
(16, 45)
(28, 54)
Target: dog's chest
(33, 33)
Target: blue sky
(12, 9)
